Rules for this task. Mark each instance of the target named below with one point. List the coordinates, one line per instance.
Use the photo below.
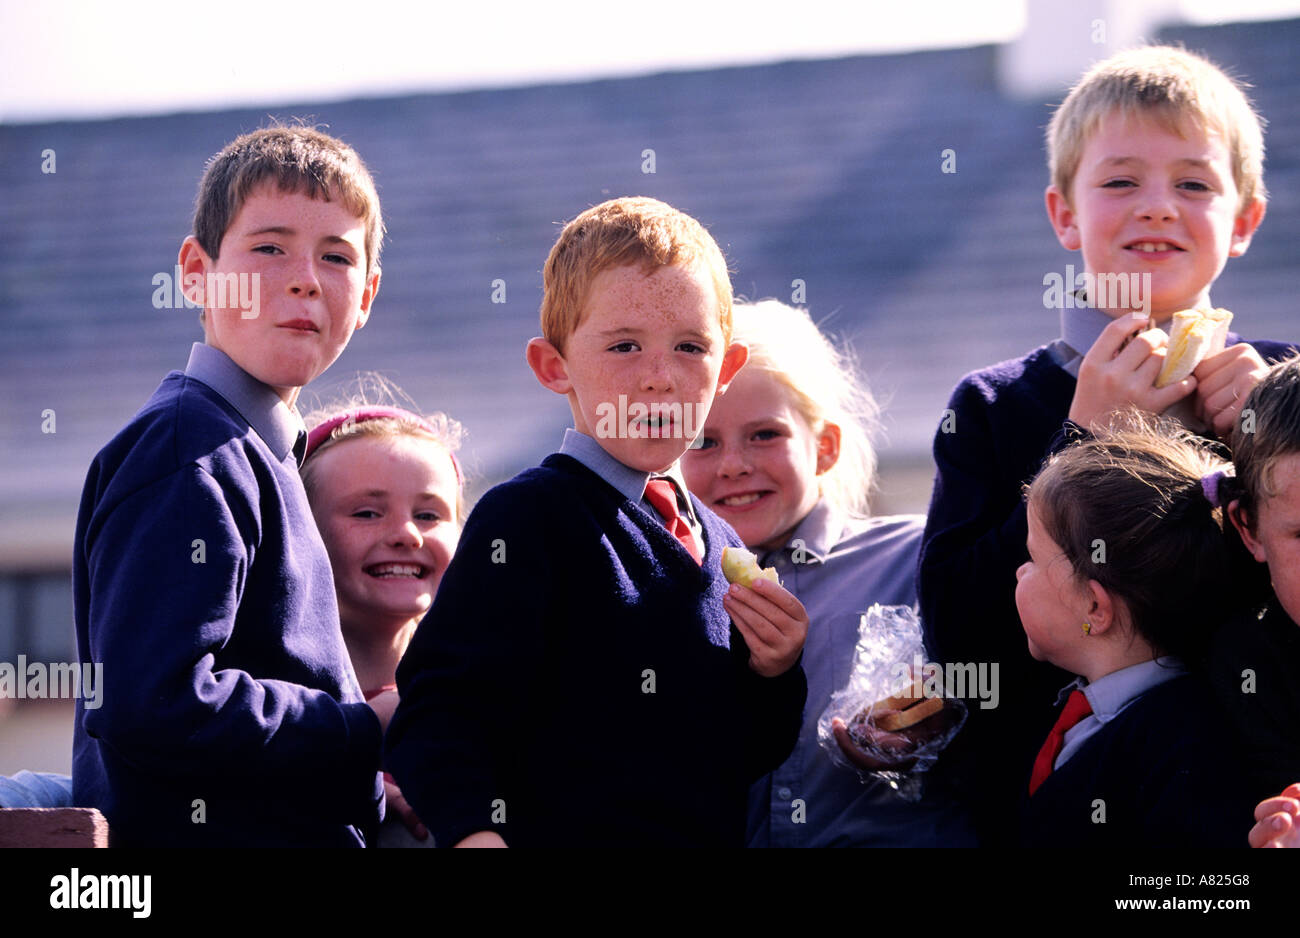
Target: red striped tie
(662, 494)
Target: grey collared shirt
(279, 426)
(630, 482)
(1110, 695)
(1081, 327)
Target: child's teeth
(395, 569)
(741, 499)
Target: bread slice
(909, 717)
(1194, 335)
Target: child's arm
(1278, 820)
(168, 568)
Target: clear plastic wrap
(887, 706)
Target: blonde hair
(618, 233)
(825, 384)
(374, 390)
(1172, 86)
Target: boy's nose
(657, 375)
(1157, 205)
(302, 278)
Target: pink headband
(321, 432)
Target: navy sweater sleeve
(203, 589)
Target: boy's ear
(548, 364)
(1243, 229)
(194, 263)
(732, 361)
(368, 297)
(1241, 521)
(828, 447)
(1062, 218)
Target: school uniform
(1152, 766)
(1001, 425)
(577, 681)
(229, 712)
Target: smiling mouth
(389, 571)
(1151, 247)
(740, 501)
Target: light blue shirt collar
(628, 481)
(1110, 694)
(1081, 327)
(274, 421)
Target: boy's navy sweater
(230, 714)
(1005, 421)
(1163, 773)
(578, 682)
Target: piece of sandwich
(1194, 335)
(741, 566)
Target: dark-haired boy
(230, 714)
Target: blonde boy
(578, 680)
(1156, 160)
(230, 715)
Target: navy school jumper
(578, 682)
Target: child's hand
(1223, 382)
(397, 803)
(1120, 369)
(384, 705)
(773, 623)
(881, 738)
(482, 839)
(1278, 820)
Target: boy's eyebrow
(286, 230)
(1125, 160)
(638, 330)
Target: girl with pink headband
(388, 496)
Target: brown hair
(1267, 429)
(292, 159)
(1172, 86)
(1128, 509)
(618, 233)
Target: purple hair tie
(1212, 486)
(321, 432)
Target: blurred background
(882, 167)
